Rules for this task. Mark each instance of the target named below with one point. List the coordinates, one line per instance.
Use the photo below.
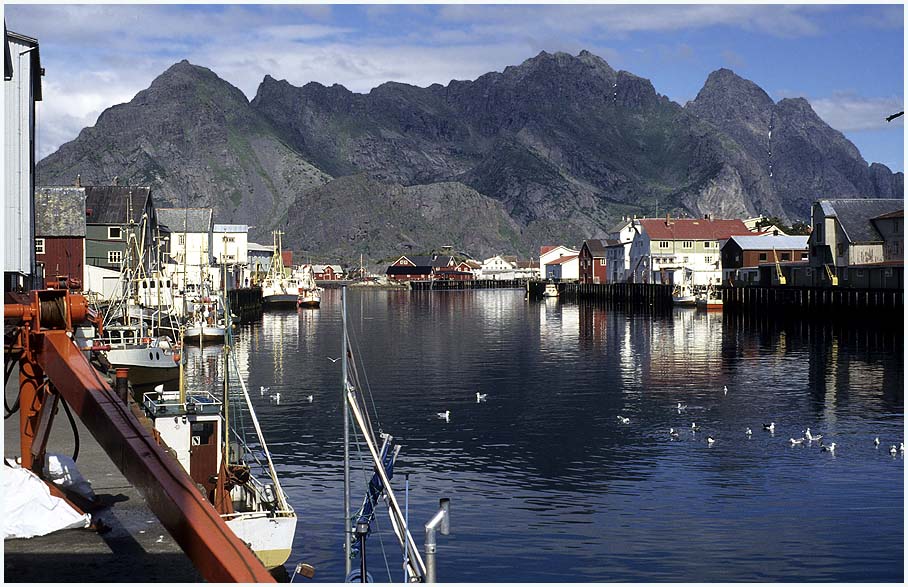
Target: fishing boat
(310, 294)
(150, 360)
(551, 291)
(279, 289)
(219, 442)
(711, 299)
(683, 294)
(207, 324)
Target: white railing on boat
(158, 403)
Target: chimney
(116, 180)
(78, 180)
(668, 219)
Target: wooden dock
(454, 284)
(818, 302)
(246, 303)
(654, 296)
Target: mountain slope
(193, 137)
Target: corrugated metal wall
(18, 237)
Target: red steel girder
(213, 548)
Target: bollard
(122, 384)
(442, 518)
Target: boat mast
(347, 530)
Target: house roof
(59, 211)
(692, 228)
(765, 243)
(194, 220)
(231, 228)
(107, 204)
(527, 265)
(545, 249)
(34, 57)
(620, 226)
(854, 215)
(323, 268)
(896, 214)
(596, 246)
(473, 264)
(408, 270)
(255, 247)
(562, 260)
(430, 260)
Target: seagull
(795, 441)
(811, 437)
(772, 427)
(694, 427)
(624, 420)
(334, 360)
(674, 434)
(829, 448)
(276, 397)
(263, 389)
(446, 415)
(725, 389)
(748, 432)
(876, 441)
(710, 440)
(481, 397)
(901, 447)
(159, 540)
(309, 398)
(893, 450)
(681, 407)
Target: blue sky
(847, 60)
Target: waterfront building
(229, 249)
(498, 268)
(526, 270)
(114, 215)
(258, 263)
(593, 263)
(22, 74)
(767, 227)
(665, 249)
(189, 239)
(850, 240)
(618, 250)
(60, 235)
(563, 268)
(549, 253)
(755, 251)
(328, 272)
(418, 267)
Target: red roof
(561, 260)
(692, 228)
(546, 249)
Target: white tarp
(62, 470)
(30, 510)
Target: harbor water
(546, 483)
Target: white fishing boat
(711, 299)
(236, 472)
(551, 291)
(150, 360)
(206, 324)
(310, 294)
(683, 294)
(279, 289)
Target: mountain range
(555, 149)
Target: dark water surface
(546, 484)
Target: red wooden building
(419, 267)
(328, 272)
(592, 261)
(60, 235)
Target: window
(840, 249)
(685, 260)
(663, 244)
(39, 246)
(114, 257)
(229, 239)
(181, 240)
(114, 233)
(708, 259)
(804, 256)
(687, 244)
(762, 256)
(786, 257)
(708, 244)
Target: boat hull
(280, 300)
(198, 334)
(269, 536)
(684, 301)
(309, 300)
(147, 365)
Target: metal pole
(347, 562)
(362, 529)
(407, 521)
(441, 520)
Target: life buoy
(146, 340)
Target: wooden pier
(818, 302)
(246, 303)
(454, 284)
(655, 296)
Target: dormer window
(114, 233)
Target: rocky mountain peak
(724, 88)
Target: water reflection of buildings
(280, 335)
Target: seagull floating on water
(876, 441)
(771, 427)
(710, 440)
(811, 437)
(901, 447)
(481, 397)
(795, 441)
(263, 389)
(748, 432)
(725, 389)
(681, 407)
(893, 450)
(309, 398)
(694, 427)
(624, 420)
(829, 448)
(673, 433)
(276, 397)
(446, 415)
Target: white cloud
(846, 111)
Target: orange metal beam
(213, 548)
